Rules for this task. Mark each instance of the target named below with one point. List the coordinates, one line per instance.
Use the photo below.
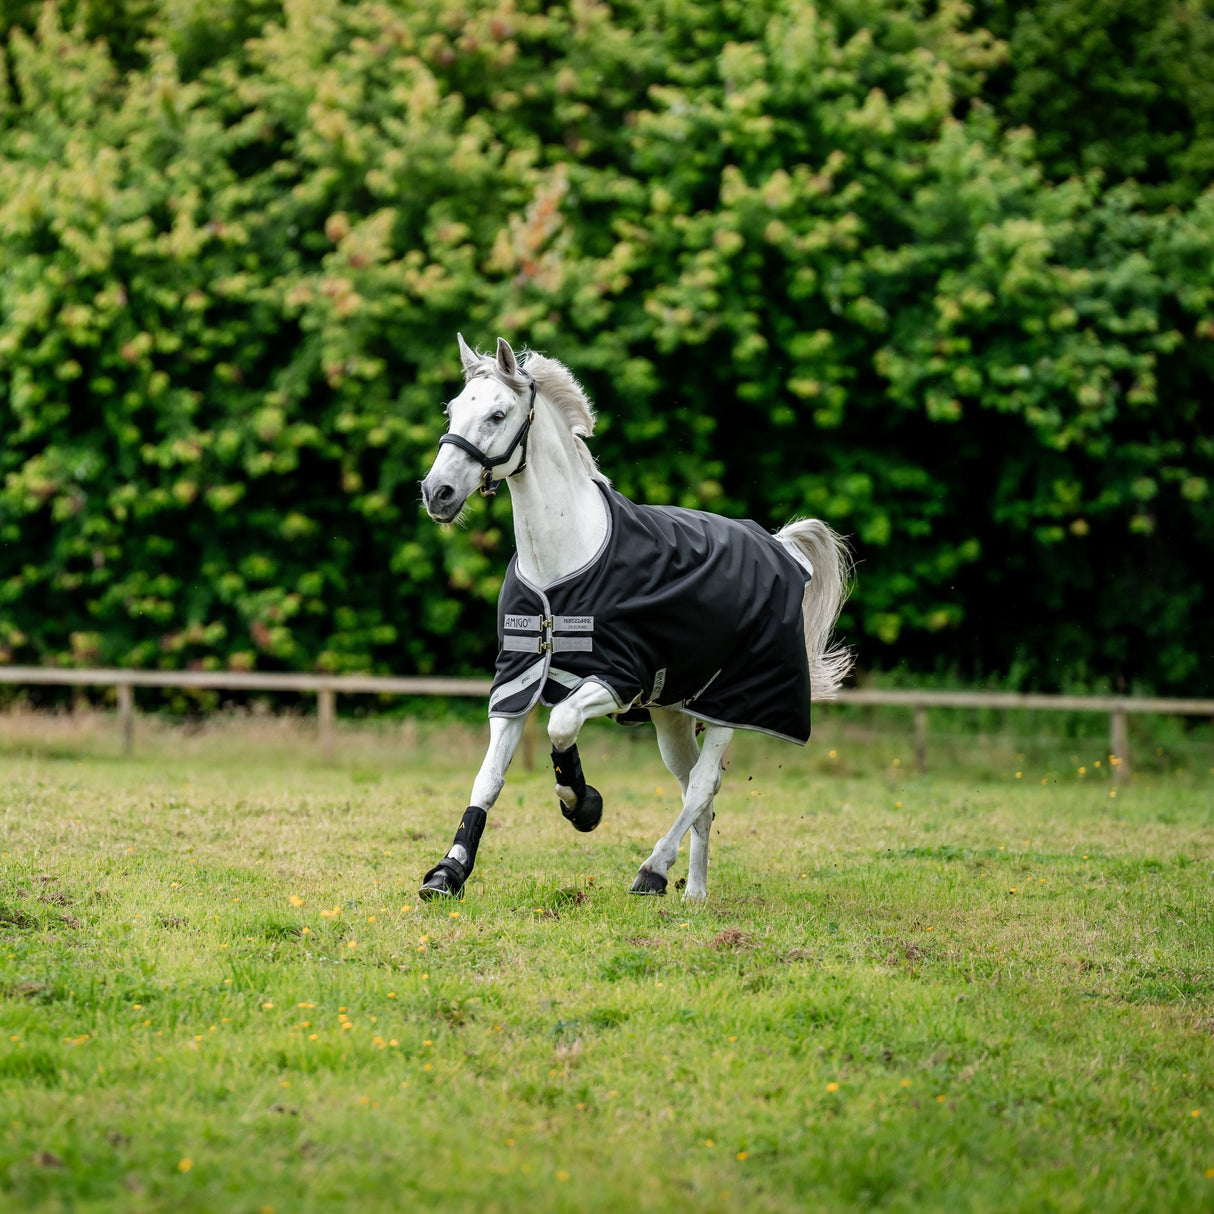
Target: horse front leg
(702, 785)
(448, 877)
(581, 803)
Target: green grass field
(219, 991)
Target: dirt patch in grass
(906, 952)
(732, 938)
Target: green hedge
(805, 259)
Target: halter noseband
(489, 462)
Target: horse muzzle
(442, 500)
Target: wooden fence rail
(327, 687)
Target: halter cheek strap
(489, 485)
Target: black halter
(489, 462)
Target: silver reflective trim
(517, 644)
(771, 733)
(572, 644)
(564, 678)
(573, 623)
(521, 623)
(528, 678)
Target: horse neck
(560, 517)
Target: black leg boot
(587, 813)
(447, 877)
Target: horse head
(486, 437)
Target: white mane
(555, 382)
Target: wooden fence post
(126, 716)
(326, 710)
(1119, 745)
(921, 738)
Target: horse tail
(815, 546)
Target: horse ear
(467, 356)
(507, 364)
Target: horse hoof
(588, 812)
(649, 883)
(444, 880)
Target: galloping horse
(610, 608)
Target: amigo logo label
(521, 623)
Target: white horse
(690, 616)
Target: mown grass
(219, 992)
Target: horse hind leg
(702, 784)
(677, 743)
(697, 866)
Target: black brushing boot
(448, 876)
(588, 812)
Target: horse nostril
(440, 499)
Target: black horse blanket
(679, 609)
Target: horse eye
(497, 416)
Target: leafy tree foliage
(806, 259)
(1120, 86)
